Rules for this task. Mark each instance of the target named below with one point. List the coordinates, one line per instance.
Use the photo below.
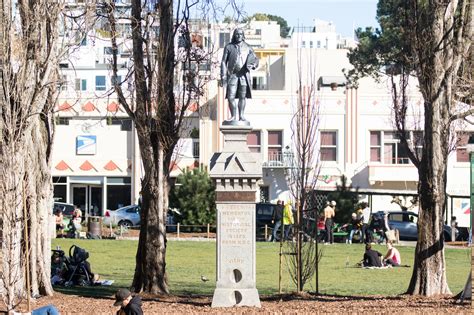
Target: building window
(461, 147)
(224, 39)
(118, 192)
(259, 83)
(100, 83)
(59, 188)
(303, 44)
(275, 140)
(81, 85)
(254, 141)
(59, 192)
(393, 151)
(329, 146)
(258, 31)
(386, 147)
(318, 44)
(195, 148)
(375, 146)
(310, 44)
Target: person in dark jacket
(372, 257)
(129, 305)
(276, 219)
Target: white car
(126, 216)
(129, 216)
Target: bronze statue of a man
(237, 61)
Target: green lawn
(188, 260)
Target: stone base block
(235, 297)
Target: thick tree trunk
(150, 271)
(26, 189)
(154, 118)
(11, 276)
(28, 84)
(429, 272)
(440, 38)
(39, 204)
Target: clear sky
(345, 14)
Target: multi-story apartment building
(96, 162)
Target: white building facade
(96, 161)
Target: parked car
(67, 209)
(264, 214)
(126, 216)
(129, 216)
(406, 223)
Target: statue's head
(238, 36)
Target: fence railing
(206, 230)
(180, 229)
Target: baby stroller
(75, 269)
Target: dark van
(264, 213)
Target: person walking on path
(329, 213)
(276, 220)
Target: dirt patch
(72, 304)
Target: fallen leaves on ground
(295, 304)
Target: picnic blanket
(383, 267)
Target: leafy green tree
(431, 40)
(346, 198)
(194, 196)
(284, 28)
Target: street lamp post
(470, 150)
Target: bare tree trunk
(441, 34)
(158, 118)
(429, 272)
(150, 271)
(28, 83)
(12, 218)
(39, 205)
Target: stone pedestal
(235, 172)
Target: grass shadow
(99, 292)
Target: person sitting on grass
(392, 257)
(129, 305)
(356, 226)
(371, 257)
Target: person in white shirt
(366, 233)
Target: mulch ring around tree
(289, 303)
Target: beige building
(96, 161)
